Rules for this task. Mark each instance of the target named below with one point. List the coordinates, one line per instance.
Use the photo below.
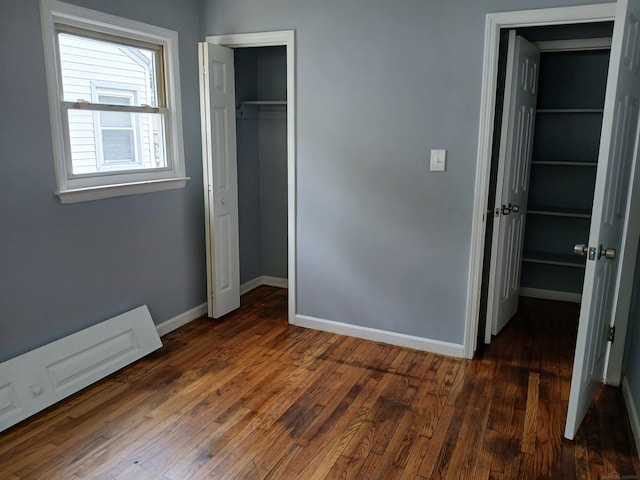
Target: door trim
(493, 24)
(269, 39)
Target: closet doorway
(544, 164)
(248, 132)
(614, 230)
(261, 133)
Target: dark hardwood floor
(253, 397)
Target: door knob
(580, 249)
(608, 253)
(507, 209)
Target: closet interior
(571, 91)
(261, 133)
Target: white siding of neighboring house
(81, 72)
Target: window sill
(88, 194)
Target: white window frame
(80, 188)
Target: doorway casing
(284, 38)
(494, 23)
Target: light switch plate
(438, 160)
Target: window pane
(114, 100)
(96, 148)
(117, 146)
(88, 63)
(115, 119)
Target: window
(115, 104)
(117, 136)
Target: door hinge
(612, 333)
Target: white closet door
(618, 143)
(512, 188)
(217, 100)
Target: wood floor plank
(371, 468)
(184, 461)
(350, 431)
(474, 412)
(333, 399)
(468, 459)
(531, 415)
(317, 451)
(250, 396)
(404, 439)
(581, 456)
(483, 466)
(434, 446)
(566, 464)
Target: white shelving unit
(569, 110)
(563, 170)
(263, 102)
(560, 212)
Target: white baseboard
(275, 282)
(250, 285)
(634, 419)
(263, 280)
(392, 338)
(182, 319)
(551, 295)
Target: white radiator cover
(37, 379)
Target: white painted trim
(181, 319)
(601, 12)
(256, 39)
(577, 44)
(263, 280)
(250, 285)
(275, 282)
(109, 191)
(494, 22)
(392, 338)
(632, 411)
(287, 39)
(551, 295)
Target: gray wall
(272, 73)
(65, 267)
(381, 241)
